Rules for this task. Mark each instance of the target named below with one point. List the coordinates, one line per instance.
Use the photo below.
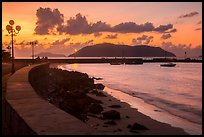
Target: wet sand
(128, 117)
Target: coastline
(155, 113)
(149, 106)
(129, 116)
(76, 101)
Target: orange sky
(24, 14)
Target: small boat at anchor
(168, 65)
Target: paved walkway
(43, 117)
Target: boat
(135, 62)
(168, 65)
(115, 63)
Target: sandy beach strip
(129, 116)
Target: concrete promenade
(27, 113)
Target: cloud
(114, 36)
(87, 43)
(57, 42)
(200, 22)
(163, 28)
(166, 36)
(171, 31)
(144, 39)
(189, 15)
(198, 29)
(47, 20)
(52, 22)
(180, 49)
(97, 34)
(129, 27)
(80, 25)
(77, 25)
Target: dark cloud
(77, 25)
(144, 39)
(131, 27)
(97, 34)
(58, 42)
(80, 25)
(171, 31)
(48, 20)
(114, 36)
(180, 49)
(99, 27)
(163, 28)
(189, 14)
(198, 29)
(166, 36)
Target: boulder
(97, 78)
(137, 126)
(95, 108)
(114, 106)
(99, 86)
(111, 122)
(111, 114)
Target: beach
(129, 116)
(121, 119)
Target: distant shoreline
(108, 60)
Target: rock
(157, 110)
(127, 116)
(114, 106)
(97, 93)
(92, 115)
(94, 91)
(129, 126)
(117, 130)
(99, 86)
(111, 114)
(100, 94)
(105, 125)
(97, 78)
(137, 126)
(95, 108)
(111, 122)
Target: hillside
(112, 50)
(49, 54)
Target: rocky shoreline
(68, 91)
(77, 94)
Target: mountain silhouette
(112, 50)
(49, 54)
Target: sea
(171, 95)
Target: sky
(61, 27)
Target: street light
(12, 31)
(33, 43)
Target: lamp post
(11, 30)
(33, 43)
